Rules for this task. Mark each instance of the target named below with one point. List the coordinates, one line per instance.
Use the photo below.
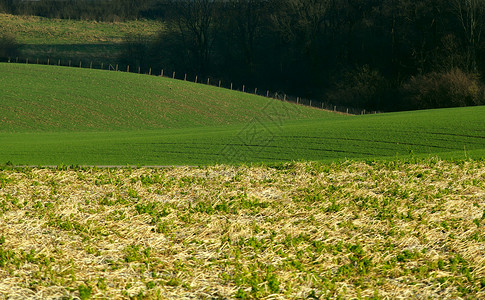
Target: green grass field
(75, 40)
(34, 30)
(56, 115)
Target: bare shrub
(452, 88)
(363, 87)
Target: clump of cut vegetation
(295, 230)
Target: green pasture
(34, 30)
(56, 115)
(49, 98)
(43, 38)
(318, 140)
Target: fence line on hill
(319, 104)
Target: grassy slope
(82, 116)
(237, 144)
(73, 39)
(46, 98)
(353, 230)
(38, 30)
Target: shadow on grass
(97, 53)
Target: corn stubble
(353, 229)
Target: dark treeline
(374, 54)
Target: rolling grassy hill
(73, 39)
(43, 98)
(55, 115)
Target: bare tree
(246, 21)
(6, 6)
(470, 14)
(301, 24)
(301, 19)
(194, 20)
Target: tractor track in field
(263, 146)
(374, 141)
(442, 133)
(454, 134)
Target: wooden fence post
(185, 77)
(267, 93)
(27, 61)
(310, 102)
(128, 69)
(139, 70)
(255, 91)
(91, 65)
(231, 85)
(173, 75)
(161, 74)
(196, 78)
(334, 108)
(150, 71)
(208, 81)
(243, 88)
(80, 64)
(284, 98)
(347, 111)
(219, 83)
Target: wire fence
(77, 63)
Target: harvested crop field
(298, 230)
